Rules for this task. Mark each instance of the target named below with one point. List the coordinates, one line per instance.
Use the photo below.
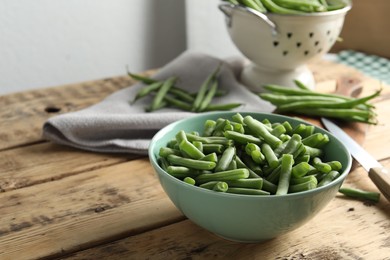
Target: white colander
(279, 46)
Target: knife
(379, 175)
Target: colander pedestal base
(254, 77)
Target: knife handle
(381, 177)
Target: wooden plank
(83, 210)
(23, 114)
(345, 229)
(45, 162)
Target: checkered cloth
(371, 65)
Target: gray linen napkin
(113, 125)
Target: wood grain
(45, 162)
(345, 229)
(82, 211)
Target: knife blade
(379, 175)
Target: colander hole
(319, 50)
(316, 43)
(328, 32)
(311, 35)
(285, 53)
(331, 39)
(306, 53)
(289, 35)
(276, 43)
(299, 44)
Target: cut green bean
(191, 163)
(223, 176)
(261, 131)
(245, 191)
(189, 149)
(328, 178)
(285, 174)
(189, 180)
(253, 183)
(226, 158)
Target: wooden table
(57, 201)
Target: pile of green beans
(291, 6)
(166, 94)
(244, 155)
(304, 101)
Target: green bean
(281, 99)
(232, 165)
(203, 89)
(335, 165)
(269, 186)
(223, 176)
(248, 161)
(253, 183)
(189, 149)
(164, 164)
(216, 107)
(303, 179)
(213, 148)
(180, 171)
(226, 158)
(261, 131)
(238, 118)
(180, 136)
(344, 114)
(269, 155)
(278, 130)
(189, 180)
(191, 163)
(302, 158)
(360, 194)
(242, 138)
(285, 174)
(274, 176)
(309, 185)
(316, 140)
(198, 145)
(142, 78)
(321, 166)
(301, 169)
(270, 5)
(177, 103)
(182, 94)
(209, 95)
(328, 178)
(301, 92)
(258, 6)
(292, 144)
(162, 93)
(146, 91)
(246, 191)
(313, 152)
(211, 157)
(242, 165)
(209, 140)
(165, 151)
(221, 186)
(209, 127)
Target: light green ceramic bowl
(246, 218)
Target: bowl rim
(167, 128)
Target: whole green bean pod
(360, 194)
(246, 191)
(163, 90)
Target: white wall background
(47, 43)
